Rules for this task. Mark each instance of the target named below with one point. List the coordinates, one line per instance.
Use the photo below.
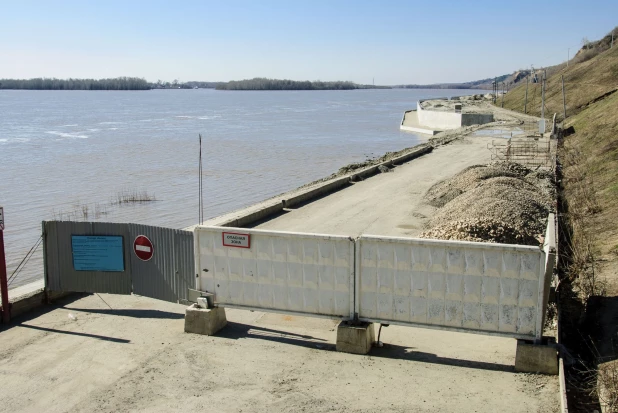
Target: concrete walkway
(387, 204)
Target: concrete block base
(536, 358)
(205, 321)
(355, 339)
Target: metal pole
(502, 94)
(543, 97)
(6, 315)
(201, 203)
(495, 89)
(568, 56)
(526, 99)
(563, 96)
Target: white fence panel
(463, 286)
(309, 274)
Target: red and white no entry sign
(142, 247)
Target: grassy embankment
(589, 200)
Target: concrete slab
(536, 358)
(355, 338)
(205, 321)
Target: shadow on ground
(237, 331)
(75, 333)
(394, 351)
(130, 312)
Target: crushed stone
(499, 202)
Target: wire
(24, 261)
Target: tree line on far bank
(134, 83)
(119, 83)
(261, 83)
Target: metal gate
(166, 276)
(298, 273)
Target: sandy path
(137, 358)
(387, 204)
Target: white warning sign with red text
(234, 239)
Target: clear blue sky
(394, 41)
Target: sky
(393, 42)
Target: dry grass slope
(590, 158)
(584, 82)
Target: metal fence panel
(279, 271)
(156, 277)
(185, 263)
(167, 275)
(463, 286)
(50, 255)
(60, 274)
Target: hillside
(511, 80)
(584, 83)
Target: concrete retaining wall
(262, 211)
(33, 300)
(438, 120)
(469, 119)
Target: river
(69, 154)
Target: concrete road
(137, 358)
(387, 204)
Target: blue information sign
(97, 253)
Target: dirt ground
(136, 357)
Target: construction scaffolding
(532, 153)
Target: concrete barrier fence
(484, 288)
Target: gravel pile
(500, 202)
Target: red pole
(6, 315)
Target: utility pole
(526, 99)
(563, 97)
(4, 288)
(502, 94)
(612, 45)
(568, 56)
(495, 89)
(543, 104)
